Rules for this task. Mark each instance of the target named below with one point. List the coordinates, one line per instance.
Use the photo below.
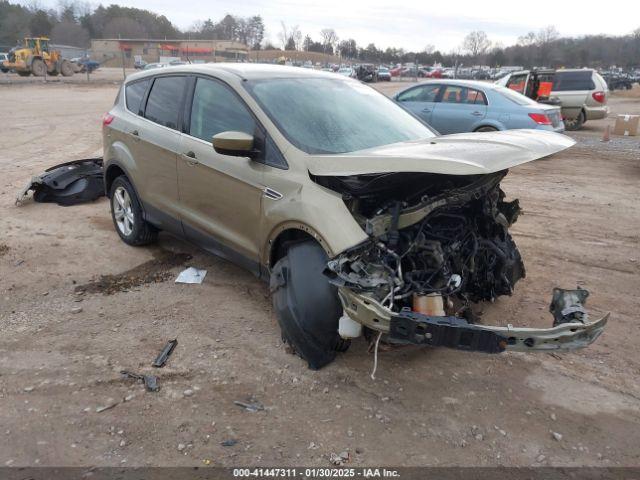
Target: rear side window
(217, 109)
(457, 94)
(566, 81)
(134, 94)
(517, 82)
(165, 100)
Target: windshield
(514, 96)
(322, 115)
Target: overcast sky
(410, 24)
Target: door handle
(135, 134)
(477, 114)
(426, 110)
(191, 158)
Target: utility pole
(124, 75)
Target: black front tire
(138, 231)
(486, 129)
(307, 305)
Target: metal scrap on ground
(191, 275)
(251, 406)
(163, 356)
(150, 381)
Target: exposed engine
(429, 234)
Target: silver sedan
(456, 106)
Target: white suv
(582, 93)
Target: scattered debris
(181, 447)
(567, 306)
(556, 436)
(76, 310)
(109, 405)
(150, 381)
(191, 275)
(3, 249)
(28, 389)
(250, 406)
(229, 443)
(188, 392)
(67, 184)
(162, 358)
(339, 459)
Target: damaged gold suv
(360, 216)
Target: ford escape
(360, 217)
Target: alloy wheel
(122, 211)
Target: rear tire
(38, 68)
(307, 305)
(486, 129)
(127, 215)
(575, 124)
(66, 69)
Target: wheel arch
(112, 172)
(286, 233)
(489, 123)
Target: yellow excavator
(36, 57)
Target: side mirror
(237, 144)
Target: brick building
(110, 52)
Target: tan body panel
(243, 205)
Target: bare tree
(296, 35)
(329, 39)
(529, 39)
(33, 5)
(283, 35)
(547, 35)
(476, 43)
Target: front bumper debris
(571, 329)
(67, 184)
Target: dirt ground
(61, 351)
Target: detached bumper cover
(67, 184)
(571, 329)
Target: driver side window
(427, 93)
(217, 109)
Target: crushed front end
(437, 245)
